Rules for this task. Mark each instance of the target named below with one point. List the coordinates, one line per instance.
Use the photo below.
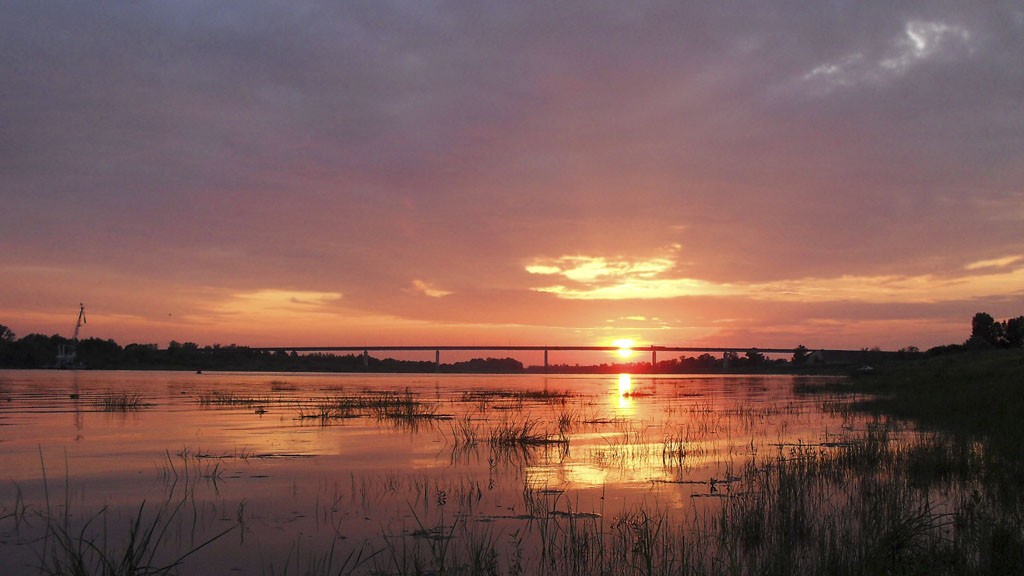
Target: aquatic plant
(521, 432)
(73, 547)
(122, 401)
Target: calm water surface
(292, 464)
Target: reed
(514, 432)
(88, 547)
(218, 398)
(122, 401)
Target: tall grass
(90, 547)
(123, 401)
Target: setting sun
(625, 347)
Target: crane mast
(81, 320)
(67, 354)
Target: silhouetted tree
(755, 358)
(99, 354)
(6, 336)
(985, 331)
(1013, 332)
(800, 355)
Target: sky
(837, 174)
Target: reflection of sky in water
(613, 438)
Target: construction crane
(81, 320)
(67, 354)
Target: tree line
(987, 332)
(40, 351)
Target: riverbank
(970, 393)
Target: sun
(625, 347)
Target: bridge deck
(648, 348)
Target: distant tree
(755, 358)
(99, 354)
(985, 331)
(800, 355)
(1013, 332)
(140, 354)
(7, 346)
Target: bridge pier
(366, 358)
(654, 359)
(545, 360)
(437, 360)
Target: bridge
(365, 350)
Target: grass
(122, 401)
(515, 432)
(88, 547)
(973, 393)
(399, 408)
(218, 398)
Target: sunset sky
(839, 174)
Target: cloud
(919, 42)
(429, 289)
(598, 278)
(924, 40)
(601, 269)
(994, 262)
(270, 302)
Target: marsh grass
(218, 398)
(465, 432)
(89, 547)
(516, 432)
(845, 508)
(401, 409)
(122, 401)
(513, 400)
(327, 409)
(329, 563)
